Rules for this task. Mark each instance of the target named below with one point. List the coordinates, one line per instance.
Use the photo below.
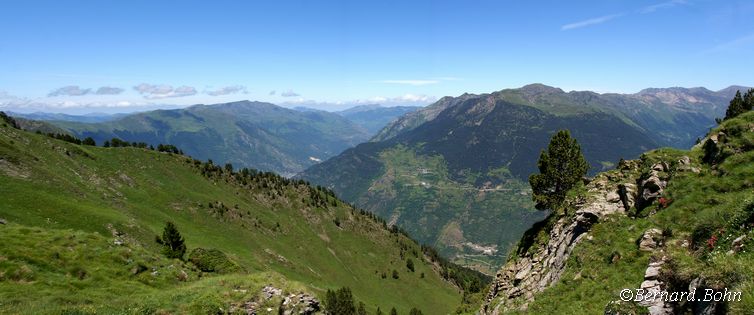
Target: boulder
(651, 240)
(684, 160)
(651, 189)
(652, 273)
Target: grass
(52, 185)
(721, 195)
(45, 271)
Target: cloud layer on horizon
(289, 93)
(154, 91)
(233, 89)
(75, 90)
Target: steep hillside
(458, 180)
(248, 134)
(78, 226)
(375, 117)
(675, 221)
(454, 174)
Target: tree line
(740, 104)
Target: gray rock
(738, 243)
(660, 167)
(612, 196)
(651, 240)
(627, 193)
(651, 189)
(652, 273)
(269, 291)
(684, 160)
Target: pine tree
(737, 106)
(89, 141)
(172, 241)
(561, 167)
(362, 309)
(414, 311)
(379, 311)
(340, 302)
(749, 100)
(410, 264)
(393, 311)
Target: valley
(454, 174)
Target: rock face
(652, 187)
(531, 272)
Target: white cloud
(75, 90)
(70, 90)
(664, 5)
(151, 91)
(273, 92)
(109, 90)
(235, 89)
(589, 22)
(403, 100)
(289, 93)
(406, 99)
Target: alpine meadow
(421, 157)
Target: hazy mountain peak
(359, 108)
(539, 88)
(733, 88)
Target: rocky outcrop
(301, 303)
(615, 192)
(652, 186)
(531, 272)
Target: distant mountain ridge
(86, 118)
(680, 114)
(247, 134)
(374, 117)
(454, 174)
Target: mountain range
(454, 174)
(80, 224)
(247, 134)
(374, 117)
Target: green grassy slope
(52, 189)
(707, 211)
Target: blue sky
(78, 56)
